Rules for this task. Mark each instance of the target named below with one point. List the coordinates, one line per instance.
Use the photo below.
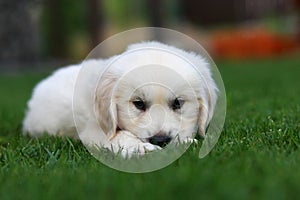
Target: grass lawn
(257, 156)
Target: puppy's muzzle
(160, 140)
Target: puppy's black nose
(160, 140)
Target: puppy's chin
(162, 140)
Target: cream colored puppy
(135, 102)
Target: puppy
(136, 102)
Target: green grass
(257, 155)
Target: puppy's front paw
(138, 149)
(186, 141)
(128, 145)
(190, 141)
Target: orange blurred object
(253, 43)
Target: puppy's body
(50, 108)
(151, 92)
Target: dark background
(39, 33)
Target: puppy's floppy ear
(206, 108)
(105, 106)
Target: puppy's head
(156, 98)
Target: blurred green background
(43, 31)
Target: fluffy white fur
(151, 74)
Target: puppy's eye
(139, 104)
(177, 103)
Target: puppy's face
(157, 96)
(156, 104)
